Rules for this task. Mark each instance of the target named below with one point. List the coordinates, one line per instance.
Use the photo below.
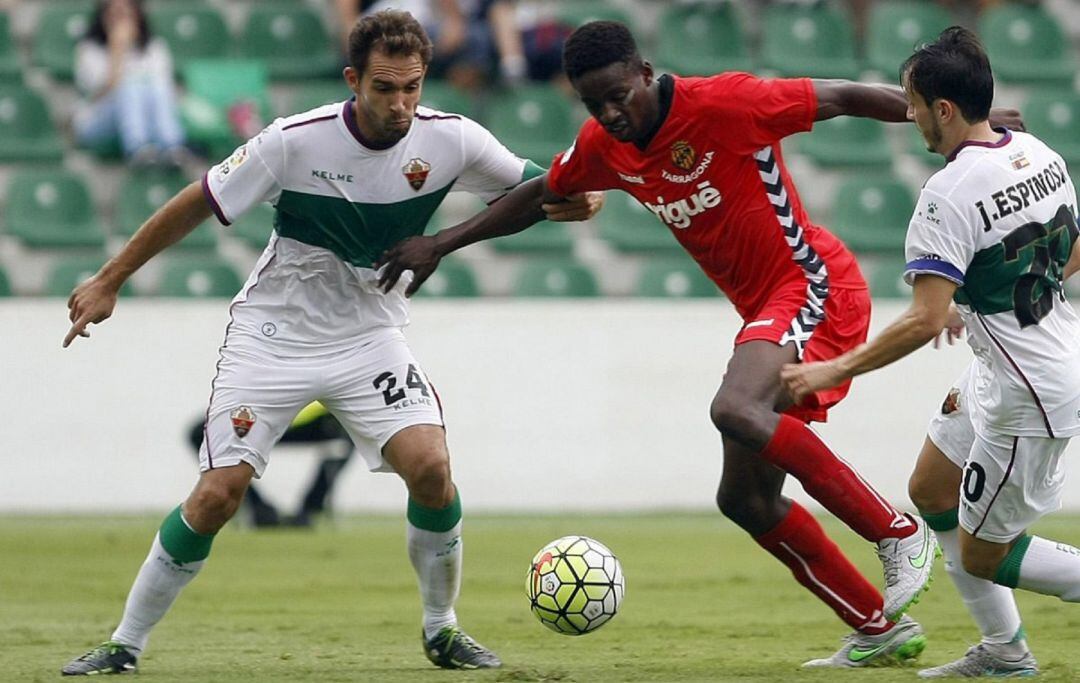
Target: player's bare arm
(525, 205)
(93, 301)
(927, 316)
(883, 102)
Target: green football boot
(904, 641)
(107, 658)
(452, 648)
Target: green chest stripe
(357, 232)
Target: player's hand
(92, 302)
(953, 330)
(802, 379)
(418, 254)
(1009, 118)
(576, 207)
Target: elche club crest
(416, 172)
(243, 418)
(683, 155)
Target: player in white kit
(347, 180)
(995, 232)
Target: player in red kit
(703, 155)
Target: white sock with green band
(434, 539)
(176, 556)
(992, 607)
(1043, 566)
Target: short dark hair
(98, 32)
(598, 44)
(953, 67)
(393, 32)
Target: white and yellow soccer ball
(575, 585)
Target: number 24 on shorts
(387, 382)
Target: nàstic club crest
(683, 155)
(243, 418)
(416, 172)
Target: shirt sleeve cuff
(937, 267)
(212, 201)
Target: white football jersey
(339, 204)
(1000, 221)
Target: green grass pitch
(339, 603)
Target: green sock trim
(431, 519)
(181, 542)
(942, 521)
(1008, 572)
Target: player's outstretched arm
(93, 301)
(421, 254)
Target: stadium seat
(291, 39)
(574, 13)
(1026, 45)
(808, 40)
(674, 278)
(60, 26)
(886, 278)
(628, 226)
(453, 278)
(440, 95)
(52, 209)
(872, 214)
(702, 39)
(143, 193)
(847, 141)
(5, 285)
(314, 94)
(555, 278)
(67, 273)
(533, 122)
(26, 131)
(255, 226)
(199, 278)
(213, 87)
(1054, 116)
(547, 237)
(193, 30)
(10, 70)
(897, 28)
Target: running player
(703, 154)
(995, 232)
(346, 180)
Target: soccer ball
(575, 585)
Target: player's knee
(924, 494)
(733, 417)
(213, 503)
(740, 508)
(429, 482)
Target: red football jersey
(714, 174)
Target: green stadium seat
(872, 214)
(255, 226)
(315, 94)
(533, 122)
(60, 26)
(1054, 116)
(67, 273)
(213, 86)
(547, 237)
(193, 30)
(10, 70)
(886, 278)
(555, 278)
(440, 95)
(674, 278)
(451, 279)
(847, 141)
(701, 39)
(199, 278)
(816, 41)
(896, 28)
(145, 192)
(291, 40)
(52, 209)
(628, 226)
(574, 13)
(1026, 45)
(26, 131)
(5, 285)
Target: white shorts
(374, 390)
(1009, 481)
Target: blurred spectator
(126, 74)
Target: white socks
(436, 557)
(993, 607)
(154, 591)
(1050, 568)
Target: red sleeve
(581, 168)
(757, 112)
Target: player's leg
(263, 513)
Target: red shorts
(846, 323)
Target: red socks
(818, 564)
(797, 450)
